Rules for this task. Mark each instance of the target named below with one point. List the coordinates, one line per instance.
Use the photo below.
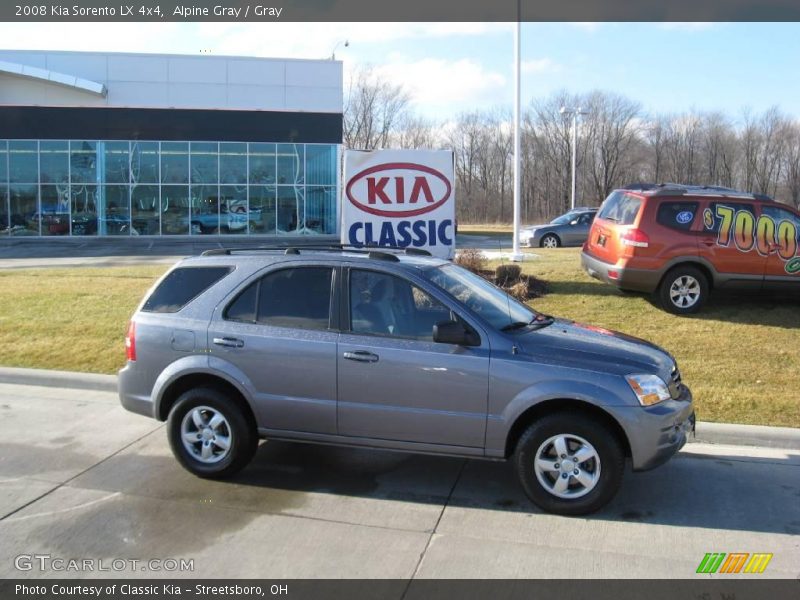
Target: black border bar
(256, 11)
(701, 588)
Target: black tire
(683, 305)
(550, 236)
(241, 433)
(611, 463)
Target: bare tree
(720, 150)
(373, 108)
(792, 168)
(415, 131)
(613, 130)
(617, 144)
(654, 141)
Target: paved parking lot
(81, 478)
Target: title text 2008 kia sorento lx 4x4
(683, 241)
(391, 349)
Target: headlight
(649, 389)
(525, 234)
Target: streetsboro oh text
(167, 590)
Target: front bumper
(656, 433)
(637, 280)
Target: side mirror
(453, 332)
(575, 222)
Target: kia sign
(402, 198)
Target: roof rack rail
(681, 189)
(373, 251)
(378, 255)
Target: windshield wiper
(515, 325)
(536, 322)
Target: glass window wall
(121, 188)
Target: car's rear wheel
(209, 434)
(550, 241)
(568, 464)
(683, 290)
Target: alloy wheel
(567, 466)
(684, 291)
(206, 434)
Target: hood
(595, 348)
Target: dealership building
(107, 144)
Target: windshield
(490, 302)
(564, 219)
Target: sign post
(402, 198)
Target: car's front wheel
(209, 434)
(568, 464)
(550, 241)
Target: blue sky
(452, 67)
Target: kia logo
(398, 190)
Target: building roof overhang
(45, 75)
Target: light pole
(516, 255)
(333, 52)
(574, 112)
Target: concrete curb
(712, 433)
(748, 435)
(63, 379)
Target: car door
(395, 382)
(277, 331)
(577, 234)
(779, 239)
(727, 241)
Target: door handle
(229, 342)
(361, 356)
(709, 243)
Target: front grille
(676, 374)
(675, 382)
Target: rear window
(181, 286)
(677, 215)
(620, 208)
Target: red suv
(683, 241)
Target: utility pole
(574, 112)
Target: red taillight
(636, 238)
(130, 342)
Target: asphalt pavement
(27, 253)
(82, 478)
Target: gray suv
(396, 350)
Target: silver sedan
(570, 229)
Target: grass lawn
(740, 356)
(485, 228)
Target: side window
(298, 298)
(713, 219)
(385, 305)
(586, 219)
(243, 308)
(181, 286)
(677, 215)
